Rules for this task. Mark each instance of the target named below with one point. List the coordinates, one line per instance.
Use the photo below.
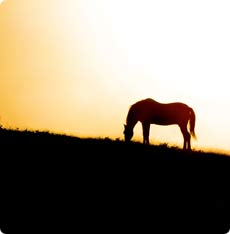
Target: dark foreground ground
(55, 183)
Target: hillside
(53, 181)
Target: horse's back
(149, 105)
(161, 113)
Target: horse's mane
(144, 100)
(149, 100)
(131, 112)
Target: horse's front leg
(145, 128)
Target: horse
(149, 111)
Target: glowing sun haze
(76, 66)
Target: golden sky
(75, 66)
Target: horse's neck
(132, 118)
(131, 124)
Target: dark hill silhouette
(57, 182)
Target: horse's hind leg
(145, 128)
(188, 141)
(186, 136)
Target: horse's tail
(192, 120)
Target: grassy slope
(104, 184)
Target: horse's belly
(162, 120)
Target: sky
(76, 66)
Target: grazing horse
(149, 111)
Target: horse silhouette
(149, 111)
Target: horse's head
(128, 132)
